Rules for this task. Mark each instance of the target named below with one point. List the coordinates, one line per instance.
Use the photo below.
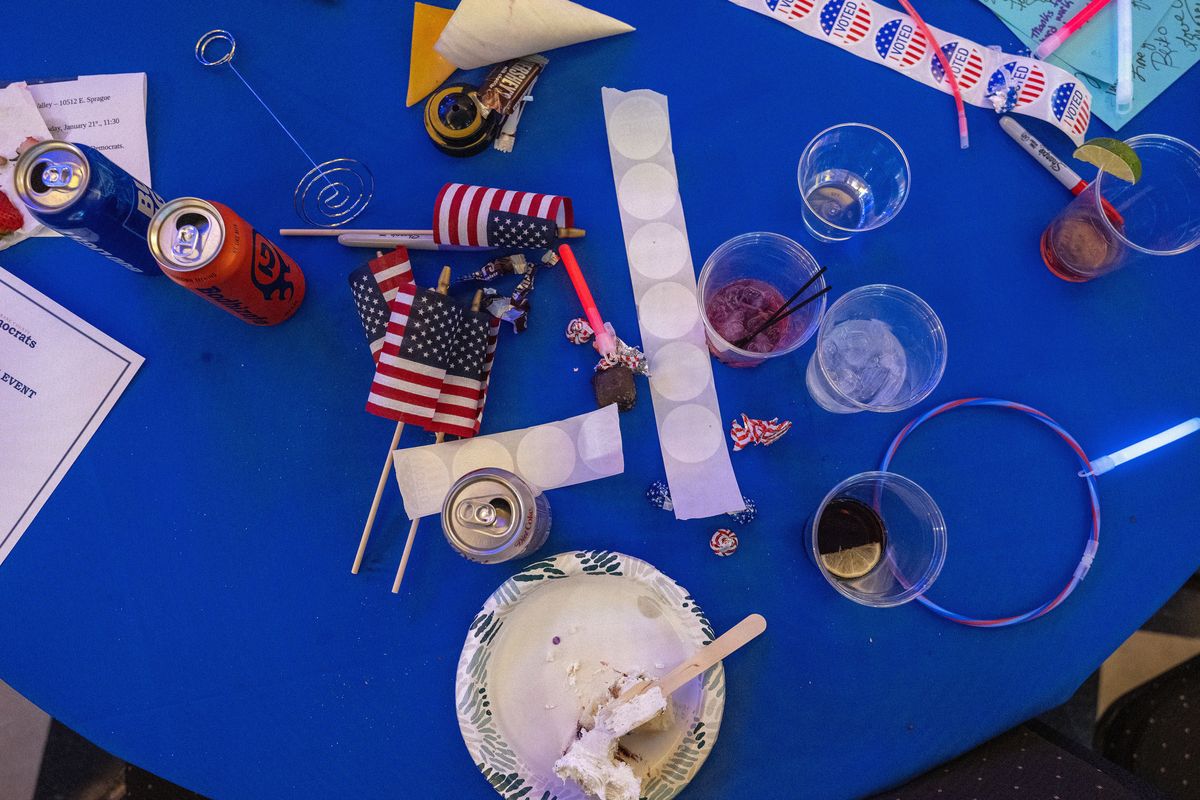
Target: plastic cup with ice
(879, 348)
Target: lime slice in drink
(1113, 156)
(853, 562)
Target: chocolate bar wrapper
(509, 83)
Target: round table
(185, 599)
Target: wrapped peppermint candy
(626, 355)
(579, 332)
(723, 543)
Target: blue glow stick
(1124, 56)
(1103, 464)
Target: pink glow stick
(1055, 40)
(964, 140)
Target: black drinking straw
(783, 311)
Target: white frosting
(621, 718)
(591, 760)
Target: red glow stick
(606, 340)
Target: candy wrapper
(723, 543)
(757, 431)
(748, 515)
(507, 265)
(515, 307)
(626, 355)
(509, 83)
(659, 495)
(987, 78)
(507, 91)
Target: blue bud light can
(75, 190)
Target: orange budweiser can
(207, 248)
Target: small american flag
(412, 364)
(376, 286)
(488, 359)
(457, 410)
(476, 216)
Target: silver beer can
(491, 515)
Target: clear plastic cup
(879, 348)
(1113, 222)
(911, 549)
(853, 178)
(742, 283)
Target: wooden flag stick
(383, 476)
(442, 287)
(412, 535)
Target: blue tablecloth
(185, 598)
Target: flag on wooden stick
(376, 286)
(413, 361)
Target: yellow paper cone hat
(485, 32)
(427, 69)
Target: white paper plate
(517, 706)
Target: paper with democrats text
(59, 378)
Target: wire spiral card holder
(330, 194)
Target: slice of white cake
(592, 760)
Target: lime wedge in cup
(1113, 156)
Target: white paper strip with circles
(690, 427)
(575, 450)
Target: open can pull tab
(187, 243)
(58, 176)
(491, 517)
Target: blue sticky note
(1093, 48)
(1171, 50)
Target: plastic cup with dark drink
(878, 539)
(1113, 222)
(743, 284)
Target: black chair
(1030, 762)
(1154, 731)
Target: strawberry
(10, 217)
